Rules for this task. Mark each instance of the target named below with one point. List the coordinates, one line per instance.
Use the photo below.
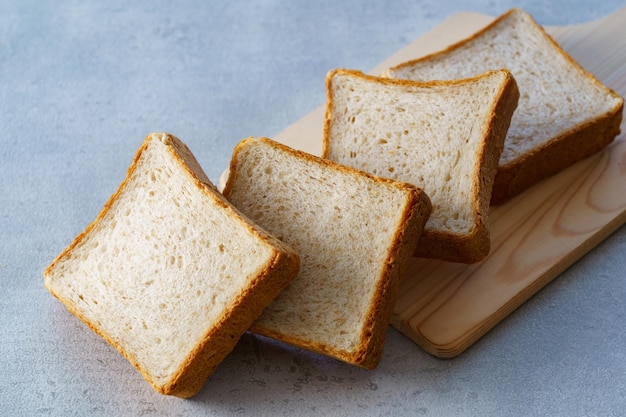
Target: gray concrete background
(82, 83)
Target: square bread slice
(169, 273)
(564, 114)
(355, 234)
(444, 137)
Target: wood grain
(445, 307)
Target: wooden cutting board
(445, 307)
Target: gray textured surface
(81, 84)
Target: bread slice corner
(564, 114)
(445, 137)
(169, 273)
(355, 233)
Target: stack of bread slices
(310, 250)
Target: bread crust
(578, 142)
(475, 245)
(560, 152)
(222, 338)
(399, 256)
(417, 210)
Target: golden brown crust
(330, 102)
(330, 75)
(368, 354)
(102, 213)
(110, 340)
(560, 152)
(474, 246)
(456, 45)
(221, 339)
(77, 240)
(308, 157)
(552, 157)
(416, 213)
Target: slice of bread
(169, 273)
(355, 234)
(444, 137)
(565, 114)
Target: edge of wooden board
(430, 284)
(556, 222)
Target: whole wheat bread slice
(355, 234)
(169, 273)
(565, 114)
(444, 137)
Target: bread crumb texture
(555, 93)
(342, 223)
(160, 266)
(431, 136)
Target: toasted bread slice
(565, 114)
(355, 234)
(444, 137)
(169, 273)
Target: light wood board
(445, 307)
